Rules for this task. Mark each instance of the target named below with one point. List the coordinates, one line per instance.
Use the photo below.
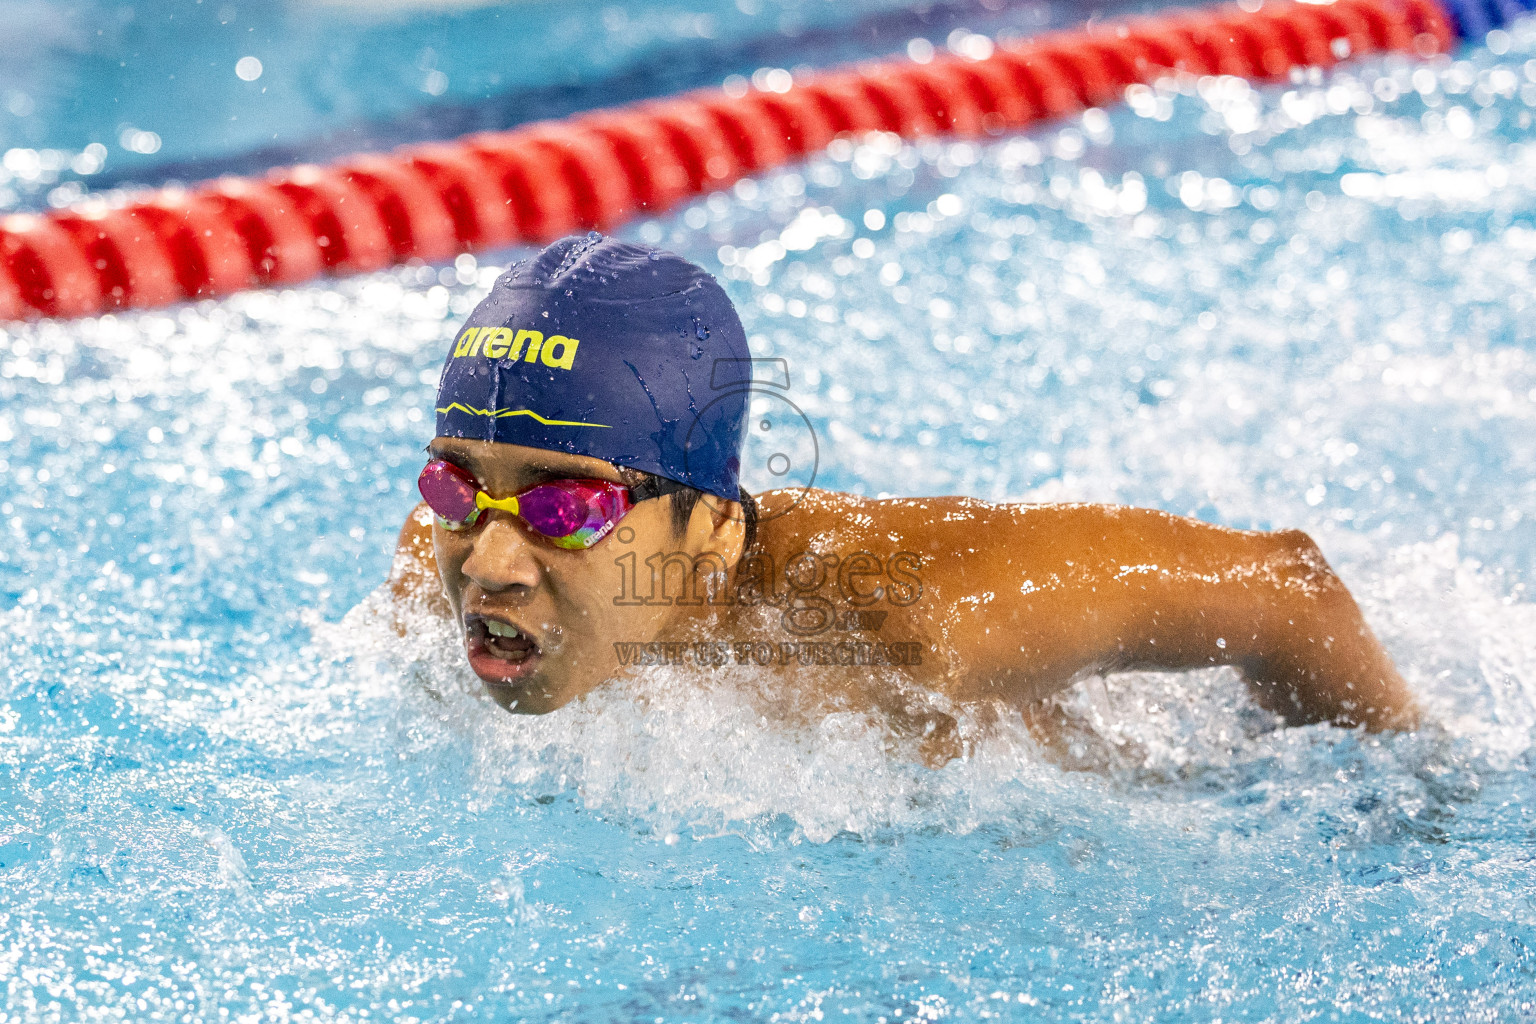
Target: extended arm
(1103, 589)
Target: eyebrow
(538, 473)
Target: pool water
(231, 792)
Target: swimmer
(583, 517)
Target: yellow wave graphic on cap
(501, 413)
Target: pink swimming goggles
(572, 514)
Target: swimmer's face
(540, 622)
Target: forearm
(1315, 659)
(1287, 621)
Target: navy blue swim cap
(602, 348)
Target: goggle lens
(552, 511)
(575, 514)
(449, 492)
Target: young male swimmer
(583, 516)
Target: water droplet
(653, 254)
(701, 332)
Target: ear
(720, 526)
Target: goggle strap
(655, 487)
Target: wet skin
(980, 602)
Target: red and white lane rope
(603, 167)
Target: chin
(530, 697)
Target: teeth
(501, 628)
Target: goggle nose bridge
(484, 501)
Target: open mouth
(499, 652)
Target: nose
(502, 558)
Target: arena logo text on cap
(505, 343)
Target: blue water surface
(231, 791)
